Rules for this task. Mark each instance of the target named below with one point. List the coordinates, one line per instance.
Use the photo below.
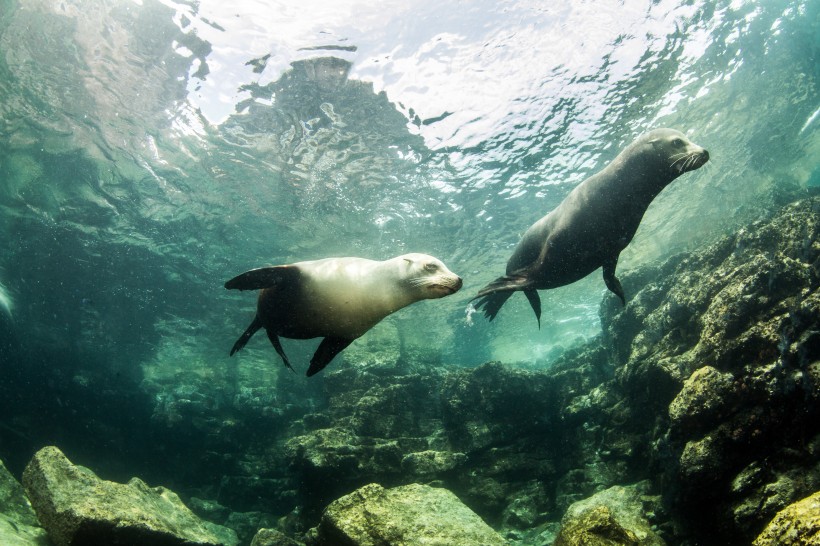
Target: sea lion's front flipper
(274, 339)
(535, 303)
(249, 331)
(328, 348)
(612, 281)
(263, 277)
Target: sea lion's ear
(408, 260)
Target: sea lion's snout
(456, 285)
(446, 285)
(690, 160)
(701, 159)
(451, 287)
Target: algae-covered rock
(410, 515)
(613, 516)
(796, 525)
(272, 537)
(429, 462)
(18, 522)
(77, 508)
(595, 527)
(704, 398)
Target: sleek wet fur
(338, 299)
(595, 222)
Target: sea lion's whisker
(682, 157)
(691, 163)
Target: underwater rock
(18, 522)
(432, 463)
(78, 508)
(495, 404)
(525, 510)
(616, 514)
(374, 425)
(704, 399)
(796, 525)
(210, 510)
(332, 461)
(272, 537)
(410, 515)
(255, 493)
(246, 524)
(717, 363)
(594, 527)
(507, 422)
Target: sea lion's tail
(493, 296)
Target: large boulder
(796, 525)
(410, 515)
(78, 508)
(595, 527)
(611, 517)
(18, 522)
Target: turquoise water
(149, 151)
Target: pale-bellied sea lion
(338, 299)
(594, 223)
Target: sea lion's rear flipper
(612, 281)
(328, 349)
(535, 303)
(491, 303)
(263, 277)
(493, 296)
(274, 339)
(249, 331)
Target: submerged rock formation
(79, 509)
(704, 391)
(18, 522)
(796, 525)
(613, 516)
(272, 537)
(722, 352)
(411, 515)
(706, 385)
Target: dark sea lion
(338, 299)
(594, 223)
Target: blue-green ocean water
(151, 150)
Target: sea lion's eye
(677, 142)
(430, 267)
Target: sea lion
(594, 223)
(338, 299)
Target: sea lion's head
(428, 276)
(676, 153)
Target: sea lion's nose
(459, 282)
